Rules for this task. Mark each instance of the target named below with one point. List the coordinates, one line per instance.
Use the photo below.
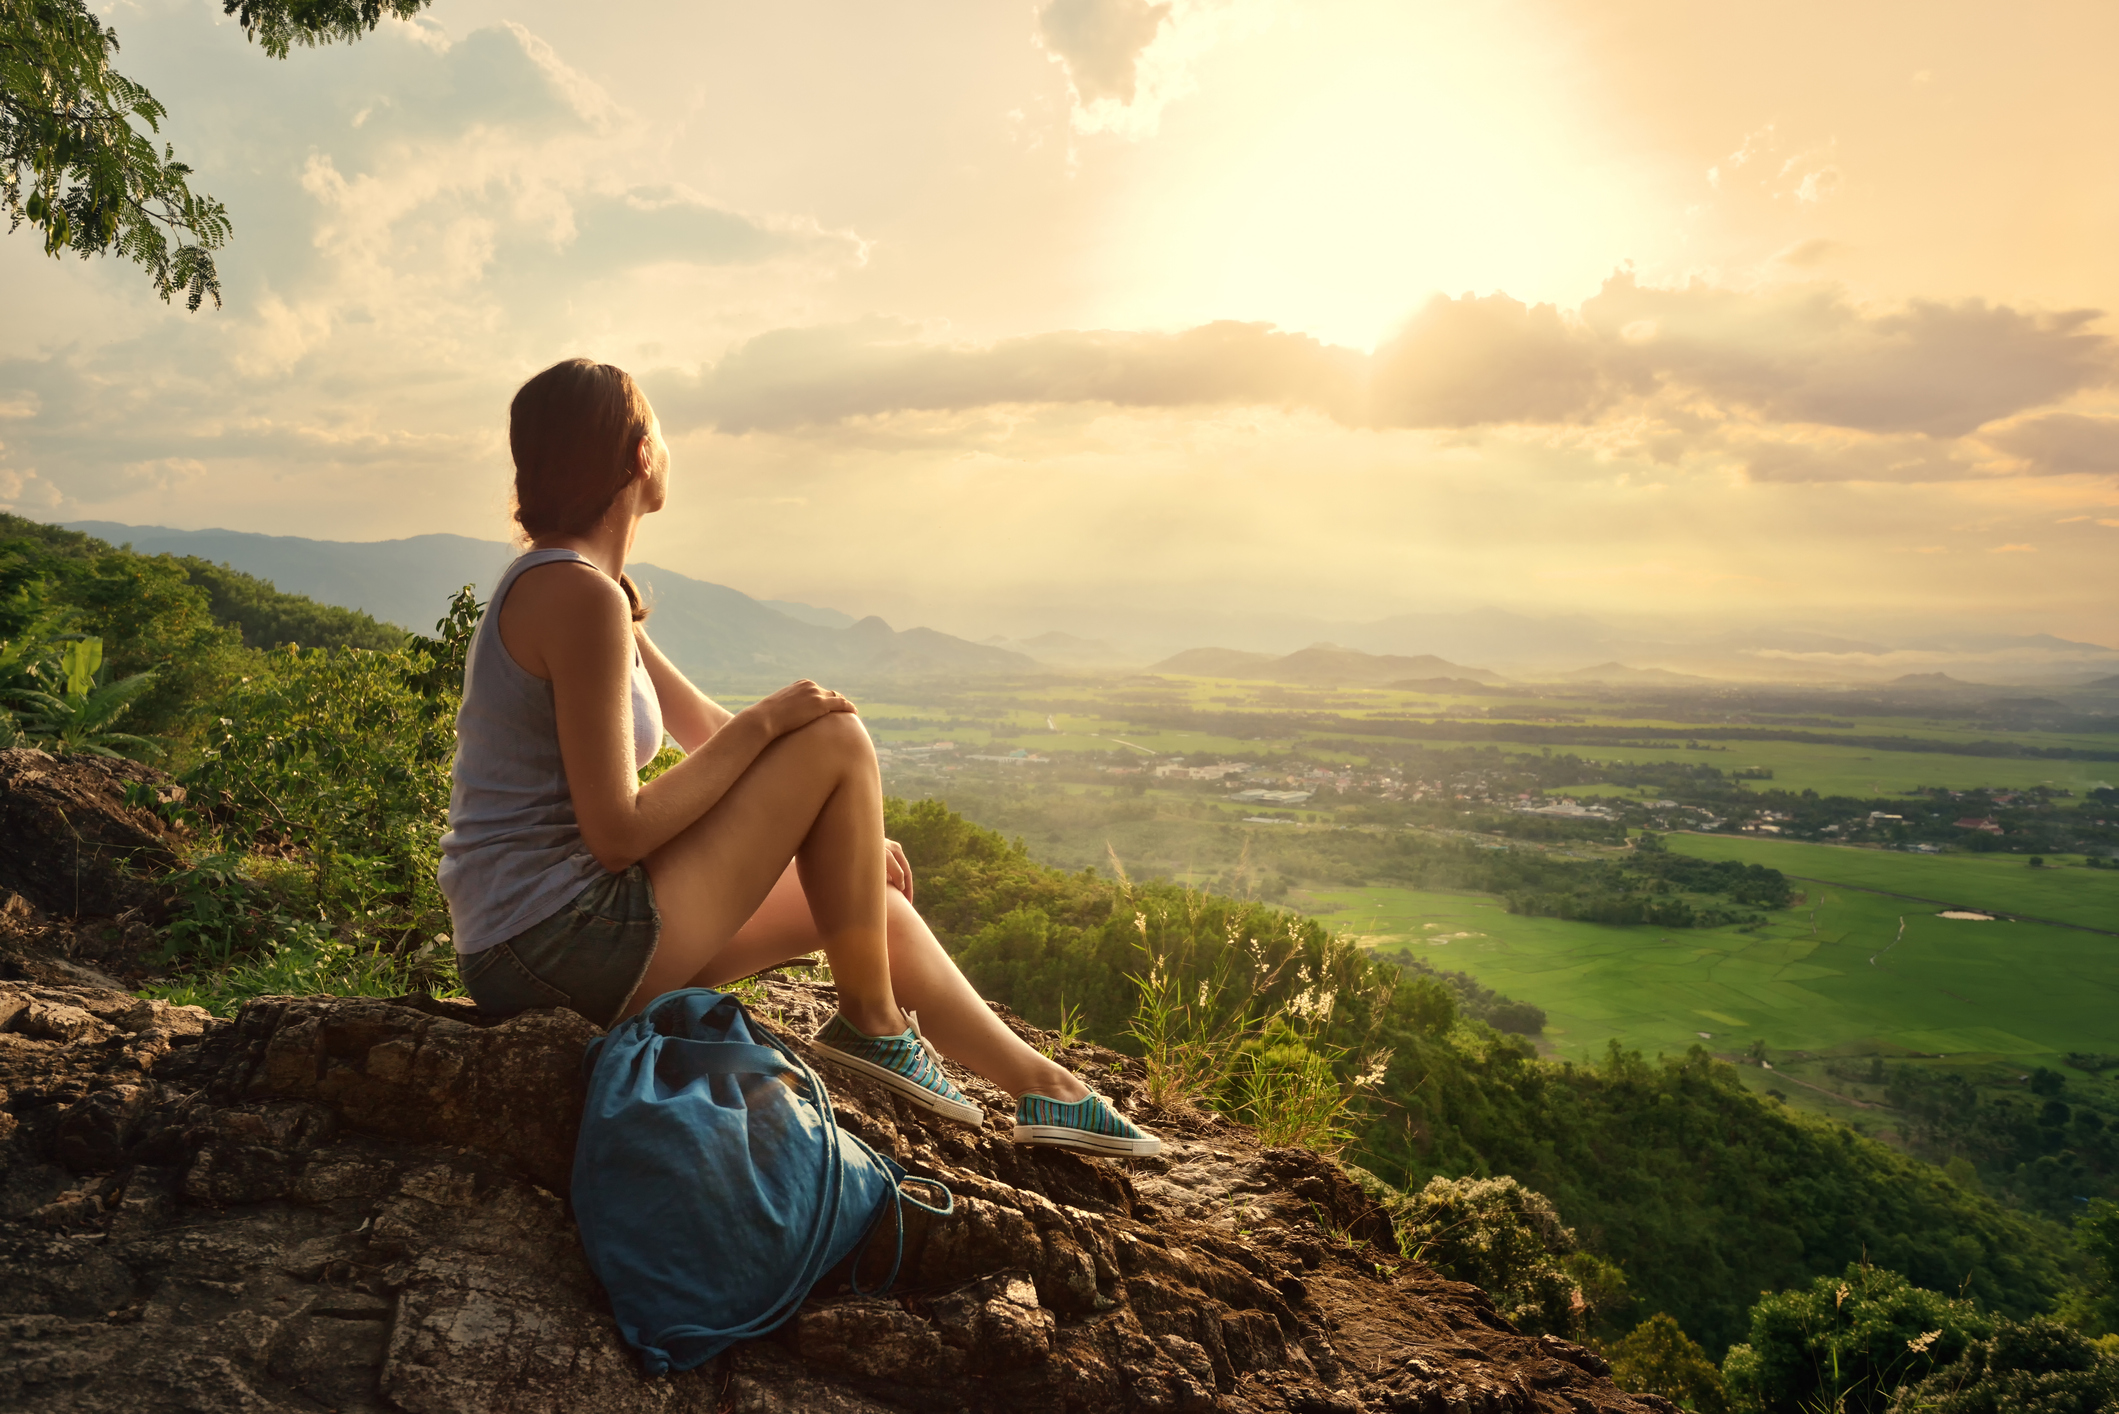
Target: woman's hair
(572, 431)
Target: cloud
(423, 223)
(2061, 442)
(1100, 43)
(1805, 354)
(1814, 251)
(1907, 381)
(1858, 459)
(1126, 60)
(1465, 362)
(803, 377)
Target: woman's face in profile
(658, 487)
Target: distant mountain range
(1533, 648)
(710, 631)
(716, 631)
(1321, 664)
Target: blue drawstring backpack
(712, 1184)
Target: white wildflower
(1378, 1066)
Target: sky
(1029, 314)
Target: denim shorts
(589, 957)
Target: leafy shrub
(82, 716)
(1846, 1343)
(2032, 1367)
(1657, 1357)
(1279, 1083)
(2093, 1306)
(1499, 1235)
(331, 750)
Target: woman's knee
(840, 736)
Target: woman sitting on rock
(571, 884)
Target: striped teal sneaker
(1090, 1125)
(905, 1063)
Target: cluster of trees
(1479, 1002)
(180, 633)
(2049, 1149)
(1652, 885)
(1647, 884)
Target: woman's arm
(570, 624)
(688, 714)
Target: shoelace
(926, 1045)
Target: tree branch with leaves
(75, 164)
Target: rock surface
(355, 1205)
(80, 868)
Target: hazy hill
(1524, 647)
(1216, 663)
(1066, 650)
(1320, 664)
(1927, 680)
(1619, 674)
(709, 630)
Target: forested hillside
(1704, 1193)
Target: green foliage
(661, 761)
(1183, 1045)
(74, 166)
(74, 163)
(1704, 1192)
(266, 618)
(2032, 1367)
(1281, 1083)
(449, 649)
(1501, 1236)
(226, 912)
(249, 926)
(1461, 991)
(334, 751)
(57, 583)
(1657, 1357)
(1844, 1344)
(312, 965)
(1651, 885)
(2049, 1149)
(83, 716)
(278, 25)
(2093, 1305)
(1229, 1038)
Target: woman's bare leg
(814, 796)
(922, 976)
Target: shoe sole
(1059, 1136)
(911, 1090)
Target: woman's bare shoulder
(560, 607)
(567, 585)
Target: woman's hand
(794, 707)
(897, 869)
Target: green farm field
(2065, 891)
(1847, 972)
(1861, 771)
(1092, 718)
